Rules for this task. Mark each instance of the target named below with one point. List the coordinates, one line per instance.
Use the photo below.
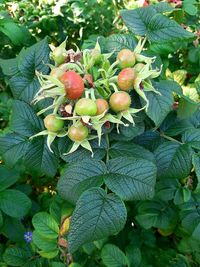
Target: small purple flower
(28, 237)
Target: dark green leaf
(7, 177)
(24, 121)
(117, 42)
(192, 137)
(173, 160)
(15, 256)
(131, 178)
(156, 214)
(13, 229)
(96, 216)
(130, 149)
(112, 256)
(17, 208)
(196, 164)
(79, 177)
(160, 105)
(157, 27)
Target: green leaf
(163, 7)
(117, 42)
(34, 58)
(196, 164)
(81, 153)
(137, 20)
(192, 137)
(163, 29)
(173, 160)
(7, 177)
(24, 121)
(190, 8)
(190, 217)
(44, 243)
(127, 133)
(24, 88)
(160, 105)
(38, 158)
(130, 149)
(182, 195)
(156, 214)
(150, 139)
(1, 219)
(157, 27)
(57, 264)
(14, 203)
(15, 256)
(131, 178)
(35, 154)
(96, 216)
(134, 256)
(13, 229)
(45, 225)
(13, 31)
(166, 188)
(12, 148)
(195, 119)
(172, 126)
(112, 256)
(49, 254)
(79, 177)
(9, 66)
(25, 84)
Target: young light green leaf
(45, 225)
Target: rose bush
(100, 159)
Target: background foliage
(163, 225)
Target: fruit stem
(170, 138)
(108, 147)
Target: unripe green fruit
(126, 58)
(78, 133)
(96, 55)
(86, 107)
(53, 123)
(58, 55)
(120, 101)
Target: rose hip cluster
(89, 92)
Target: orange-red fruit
(126, 58)
(126, 79)
(120, 101)
(102, 106)
(74, 85)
